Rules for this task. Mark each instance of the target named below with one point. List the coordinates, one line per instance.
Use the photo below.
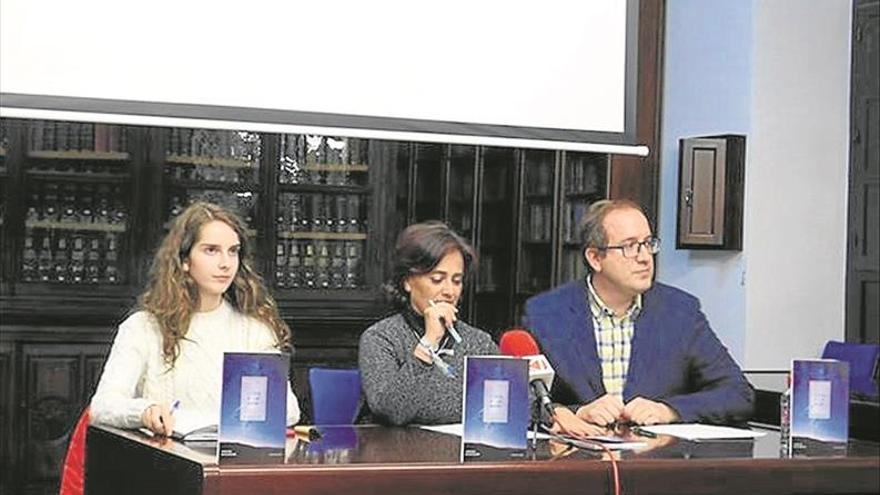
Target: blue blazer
(675, 358)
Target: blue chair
(862, 359)
(336, 395)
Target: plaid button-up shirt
(613, 339)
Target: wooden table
(372, 459)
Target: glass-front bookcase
(77, 180)
(584, 181)
(83, 206)
(519, 208)
(538, 221)
(322, 217)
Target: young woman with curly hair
(203, 298)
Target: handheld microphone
(449, 328)
(456, 336)
(520, 343)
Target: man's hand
(603, 411)
(158, 419)
(647, 412)
(567, 423)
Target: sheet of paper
(456, 429)
(610, 443)
(186, 423)
(613, 443)
(695, 431)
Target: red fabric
(73, 473)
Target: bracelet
(435, 358)
(424, 342)
(426, 351)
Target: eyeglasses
(632, 249)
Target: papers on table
(191, 426)
(608, 441)
(697, 432)
(450, 429)
(457, 429)
(688, 431)
(612, 442)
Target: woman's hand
(158, 419)
(434, 327)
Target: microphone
(521, 344)
(456, 336)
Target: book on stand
(495, 408)
(819, 407)
(253, 407)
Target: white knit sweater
(136, 376)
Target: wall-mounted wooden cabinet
(710, 202)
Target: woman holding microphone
(412, 362)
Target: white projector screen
(555, 74)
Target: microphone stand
(535, 424)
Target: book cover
(253, 407)
(495, 408)
(819, 406)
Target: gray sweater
(401, 389)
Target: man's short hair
(591, 229)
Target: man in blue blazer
(626, 349)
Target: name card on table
(495, 408)
(253, 407)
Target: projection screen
(555, 74)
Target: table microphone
(520, 343)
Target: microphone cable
(591, 444)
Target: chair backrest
(862, 359)
(73, 471)
(336, 395)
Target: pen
(643, 432)
(309, 433)
(174, 406)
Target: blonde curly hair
(172, 296)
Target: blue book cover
(495, 408)
(253, 407)
(819, 406)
